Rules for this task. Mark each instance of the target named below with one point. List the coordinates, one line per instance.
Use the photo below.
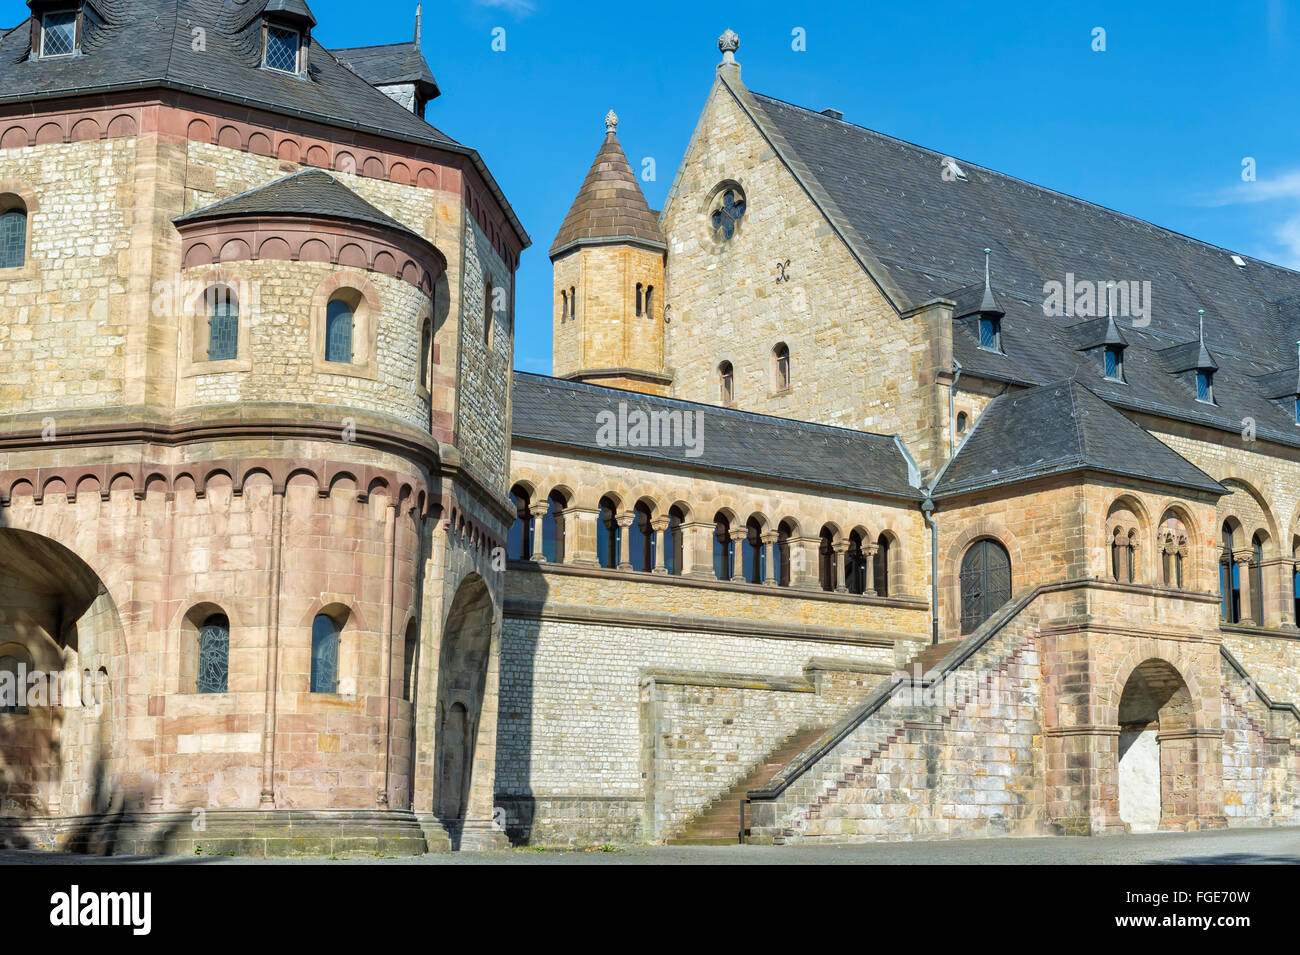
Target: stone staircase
(718, 824)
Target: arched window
(1257, 578)
(649, 301)
(781, 553)
(489, 312)
(985, 582)
(880, 568)
(214, 655)
(826, 569)
(1295, 581)
(963, 422)
(409, 647)
(1118, 555)
(609, 536)
(564, 306)
(855, 565)
(641, 539)
(639, 291)
(1172, 540)
(15, 668)
(573, 302)
(339, 321)
(1229, 577)
(223, 322)
(519, 539)
(426, 355)
(13, 232)
(673, 540)
(724, 548)
(553, 528)
(753, 559)
(726, 383)
(781, 366)
(728, 208)
(324, 654)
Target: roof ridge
(1032, 185)
(722, 409)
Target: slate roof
(923, 238)
(610, 204)
(389, 64)
(311, 192)
(558, 412)
(149, 43)
(1056, 429)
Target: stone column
(804, 561)
(582, 525)
(869, 552)
(841, 552)
(624, 540)
(537, 512)
(697, 549)
(659, 527)
(769, 559)
(1241, 559)
(738, 553)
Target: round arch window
(726, 211)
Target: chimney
(833, 113)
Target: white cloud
(518, 8)
(1283, 244)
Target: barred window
(223, 323)
(59, 33)
(282, 47)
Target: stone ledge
(652, 620)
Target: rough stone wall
(66, 308)
(483, 372)
(570, 752)
(284, 358)
(606, 331)
(966, 759)
(854, 361)
(706, 733)
(1261, 770)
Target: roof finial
(1200, 312)
(729, 43)
(987, 252)
(611, 123)
(417, 26)
(1109, 300)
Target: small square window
(282, 49)
(59, 33)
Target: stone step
(719, 822)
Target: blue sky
(1157, 125)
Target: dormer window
(1205, 386)
(990, 333)
(283, 49)
(59, 33)
(1114, 361)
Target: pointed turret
(608, 272)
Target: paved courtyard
(1241, 846)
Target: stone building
(837, 517)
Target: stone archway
(465, 757)
(1156, 748)
(60, 748)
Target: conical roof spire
(989, 304)
(610, 206)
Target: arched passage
(1156, 712)
(58, 748)
(464, 769)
